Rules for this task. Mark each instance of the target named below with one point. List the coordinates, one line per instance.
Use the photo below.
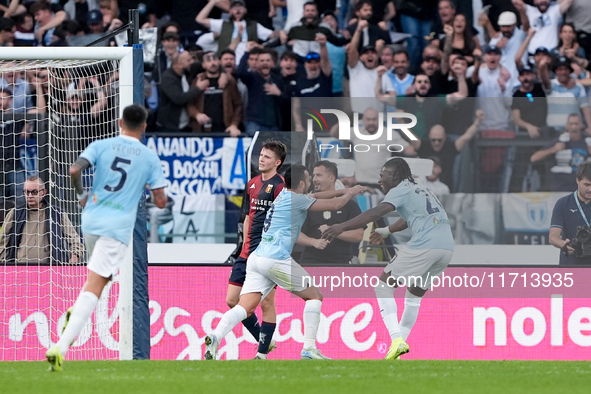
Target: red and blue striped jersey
(260, 195)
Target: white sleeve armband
(383, 231)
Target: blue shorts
(238, 272)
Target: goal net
(51, 110)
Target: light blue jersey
(283, 224)
(425, 216)
(401, 85)
(122, 167)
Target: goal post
(140, 329)
(59, 62)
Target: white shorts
(262, 274)
(106, 254)
(418, 266)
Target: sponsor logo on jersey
(252, 186)
(267, 238)
(442, 221)
(107, 204)
(260, 204)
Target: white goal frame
(125, 57)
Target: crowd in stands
(469, 70)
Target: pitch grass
(298, 376)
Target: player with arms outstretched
(425, 256)
(123, 166)
(271, 263)
(258, 197)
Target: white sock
(412, 303)
(388, 308)
(311, 322)
(82, 310)
(229, 321)
(261, 356)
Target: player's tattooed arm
(159, 197)
(76, 175)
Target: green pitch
(280, 377)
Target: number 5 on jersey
(269, 217)
(117, 167)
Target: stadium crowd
(509, 70)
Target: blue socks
(252, 325)
(267, 330)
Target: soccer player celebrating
(123, 166)
(259, 194)
(271, 263)
(426, 255)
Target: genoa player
(425, 256)
(258, 197)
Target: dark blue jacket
(260, 104)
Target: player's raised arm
(332, 204)
(76, 176)
(371, 215)
(203, 16)
(334, 193)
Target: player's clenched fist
(379, 234)
(332, 232)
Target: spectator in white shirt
(363, 73)
(545, 19)
(508, 39)
(228, 31)
(494, 92)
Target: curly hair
(400, 169)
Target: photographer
(570, 213)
